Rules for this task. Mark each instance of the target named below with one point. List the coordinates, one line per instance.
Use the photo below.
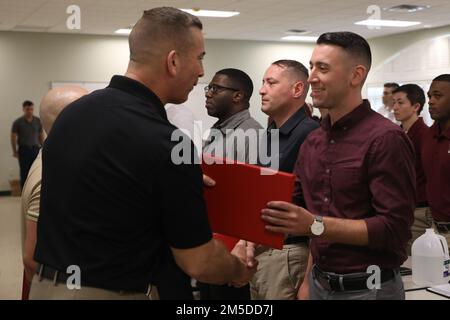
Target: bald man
(52, 104)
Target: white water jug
(430, 259)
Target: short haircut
(392, 85)
(296, 68)
(352, 43)
(240, 79)
(27, 103)
(158, 26)
(414, 93)
(443, 77)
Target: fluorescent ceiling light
(387, 23)
(300, 38)
(211, 13)
(123, 31)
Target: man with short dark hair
(283, 93)
(118, 217)
(408, 104)
(356, 174)
(27, 134)
(228, 99)
(388, 103)
(436, 155)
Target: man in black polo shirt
(116, 213)
(26, 133)
(283, 94)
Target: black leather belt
(61, 277)
(294, 240)
(422, 205)
(342, 282)
(51, 274)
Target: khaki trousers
(446, 234)
(280, 273)
(422, 221)
(47, 290)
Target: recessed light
(300, 38)
(211, 13)
(407, 8)
(296, 31)
(123, 31)
(387, 23)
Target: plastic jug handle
(444, 244)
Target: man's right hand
(15, 154)
(303, 291)
(250, 264)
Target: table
(415, 292)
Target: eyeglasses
(215, 88)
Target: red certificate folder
(234, 204)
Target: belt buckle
(324, 279)
(327, 281)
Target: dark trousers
(26, 158)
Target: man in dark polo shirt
(436, 155)
(26, 139)
(358, 180)
(408, 104)
(283, 94)
(117, 215)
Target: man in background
(52, 104)
(283, 93)
(26, 139)
(388, 101)
(436, 155)
(228, 99)
(409, 100)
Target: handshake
(245, 252)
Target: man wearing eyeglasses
(228, 99)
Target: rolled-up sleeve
(392, 185)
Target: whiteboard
(196, 105)
(195, 102)
(88, 85)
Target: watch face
(317, 228)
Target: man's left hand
(287, 218)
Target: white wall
(29, 62)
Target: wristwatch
(317, 228)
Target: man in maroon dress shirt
(436, 155)
(358, 180)
(408, 104)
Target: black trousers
(26, 157)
